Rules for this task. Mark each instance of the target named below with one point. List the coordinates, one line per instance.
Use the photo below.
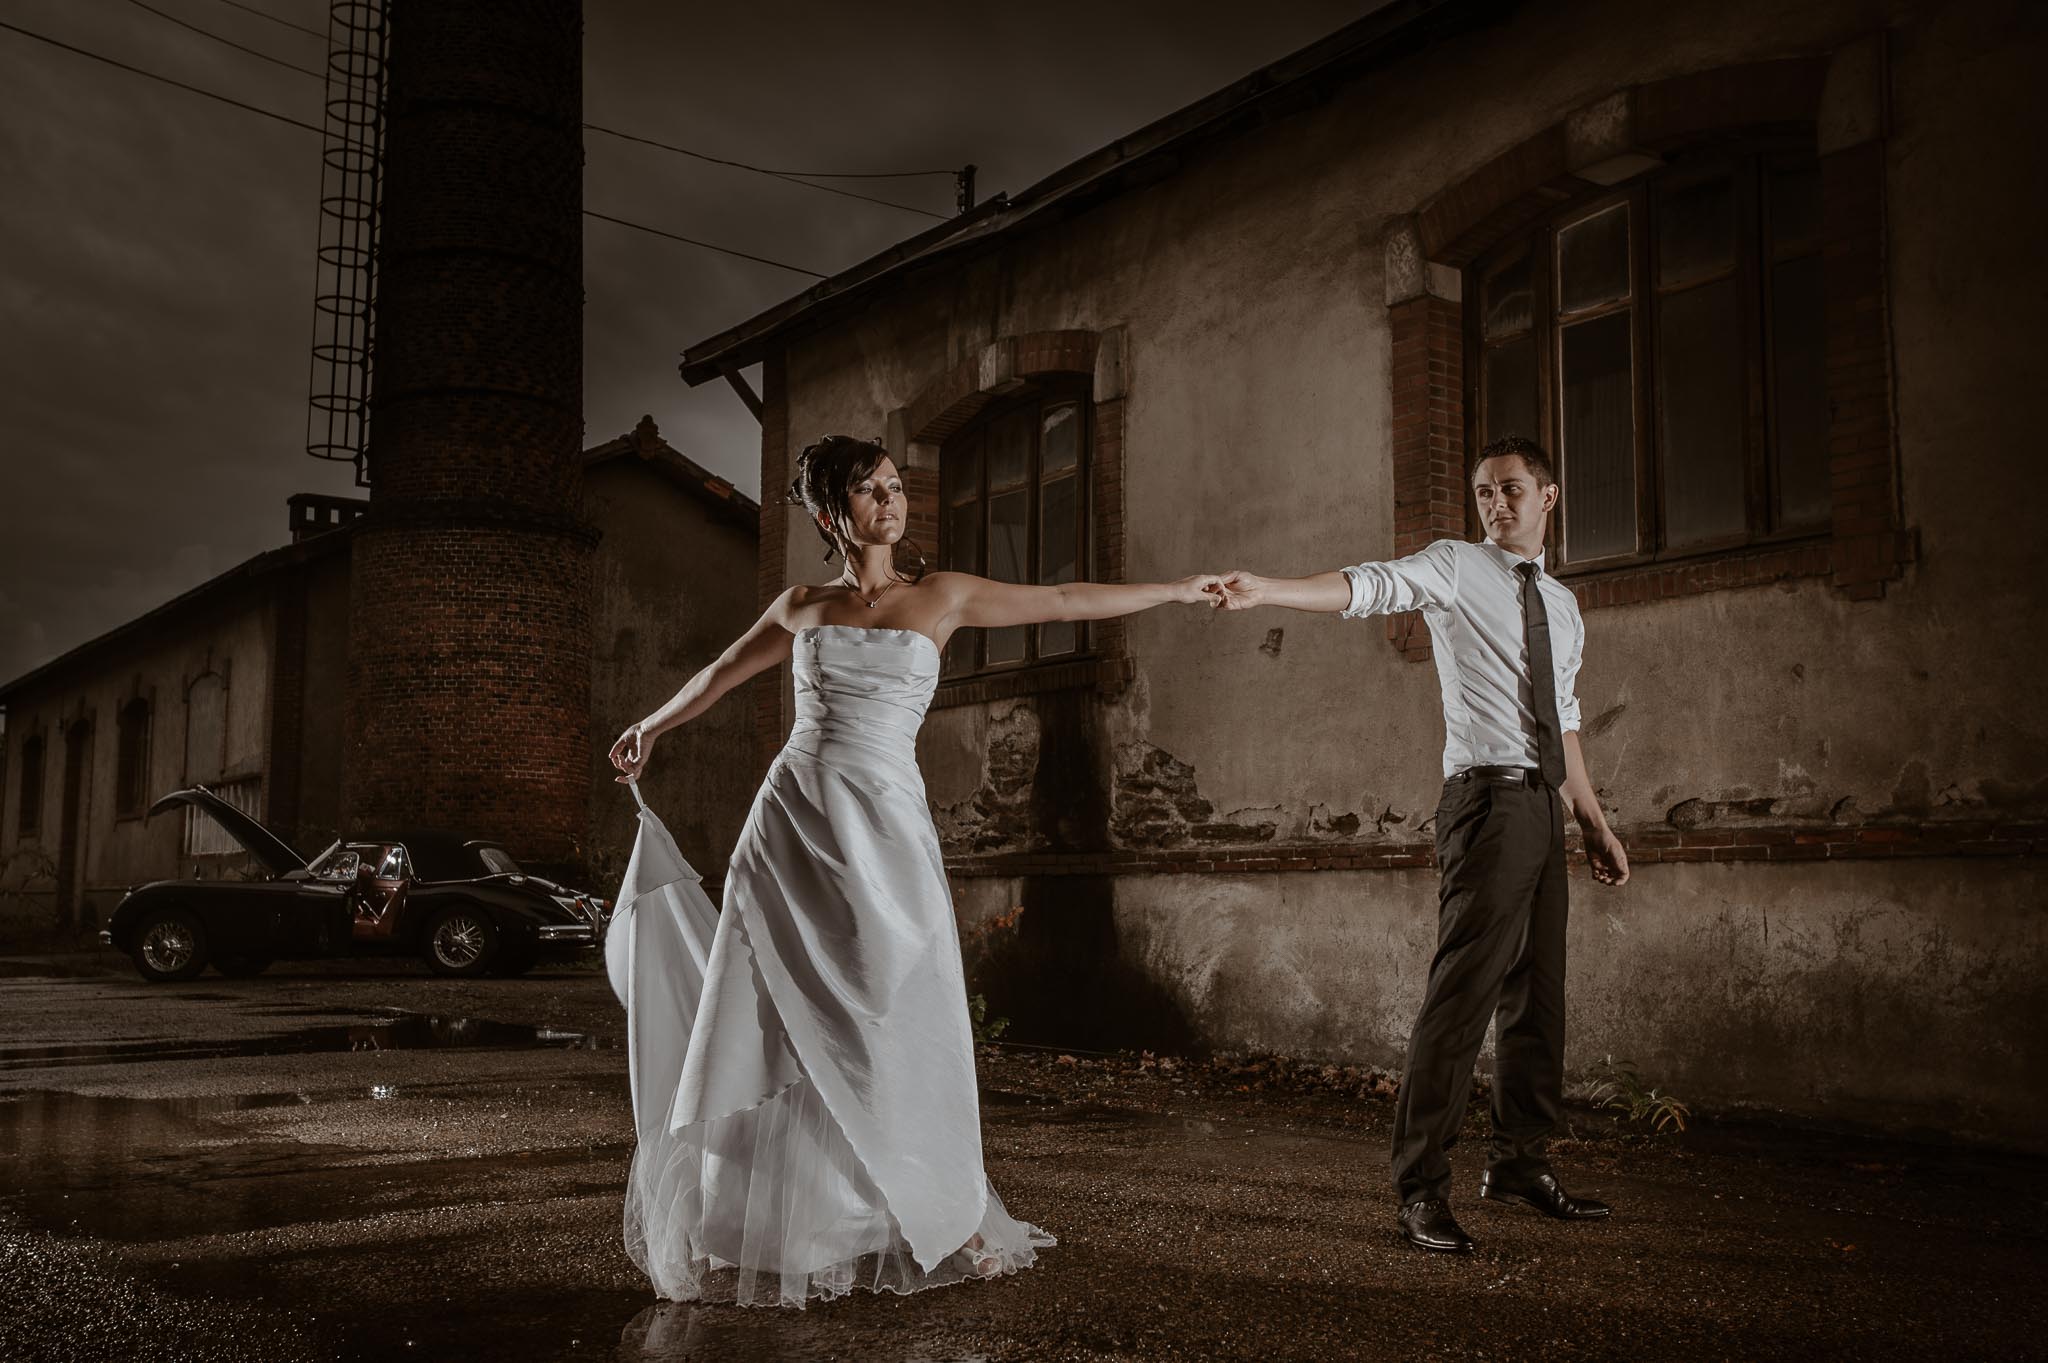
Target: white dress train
(802, 1065)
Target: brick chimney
(469, 631)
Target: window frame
(28, 813)
(1747, 163)
(1039, 397)
(131, 756)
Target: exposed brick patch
(998, 817)
(1650, 846)
(1158, 805)
(1428, 380)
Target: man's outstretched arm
(1427, 578)
(1328, 592)
(1604, 851)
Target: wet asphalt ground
(361, 1161)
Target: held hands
(1200, 589)
(1240, 591)
(630, 753)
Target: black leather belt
(1520, 776)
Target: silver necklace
(854, 587)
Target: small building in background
(240, 684)
(675, 584)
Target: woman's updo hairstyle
(826, 473)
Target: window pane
(1007, 563)
(1009, 447)
(960, 470)
(1507, 300)
(960, 539)
(1510, 378)
(1699, 434)
(1598, 446)
(1592, 260)
(1059, 536)
(1795, 204)
(1059, 531)
(960, 652)
(1696, 230)
(1059, 441)
(1006, 536)
(1799, 391)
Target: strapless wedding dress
(802, 1066)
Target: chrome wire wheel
(169, 946)
(460, 939)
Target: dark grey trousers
(1501, 914)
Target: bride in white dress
(802, 1064)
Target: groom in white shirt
(1507, 641)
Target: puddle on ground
(399, 1032)
(140, 1169)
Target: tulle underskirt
(771, 1206)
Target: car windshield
(326, 861)
(497, 861)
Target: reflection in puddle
(678, 1332)
(399, 1032)
(142, 1169)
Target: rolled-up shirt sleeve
(1568, 675)
(1424, 579)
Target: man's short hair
(1522, 448)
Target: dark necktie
(1542, 676)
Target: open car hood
(274, 852)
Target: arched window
(131, 776)
(1013, 507)
(29, 820)
(1665, 341)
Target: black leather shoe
(1428, 1224)
(1542, 1192)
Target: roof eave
(1385, 33)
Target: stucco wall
(1256, 433)
(675, 585)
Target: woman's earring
(917, 549)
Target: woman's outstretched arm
(760, 648)
(978, 602)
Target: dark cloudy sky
(156, 249)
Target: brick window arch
(1664, 340)
(1784, 484)
(131, 760)
(1013, 507)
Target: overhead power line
(257, 53)
(315, 128)
(795, 177)
(261, 14)
(151, 75)
(692, 241)
(792, 177)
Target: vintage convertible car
(461, 904)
